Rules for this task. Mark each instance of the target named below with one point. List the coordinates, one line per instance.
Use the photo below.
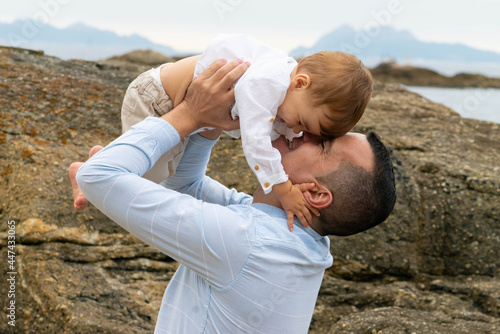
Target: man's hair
(341, 82)
(362, 199)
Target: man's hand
(209, 99)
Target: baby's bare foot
(80, 202)
(94, 150)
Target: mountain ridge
(392, 43)
(78, 40)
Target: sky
(188, 25)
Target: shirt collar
(280, 213)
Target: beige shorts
(146, 98)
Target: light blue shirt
(242, 270)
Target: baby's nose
(298, 128)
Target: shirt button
(271, 120)
(266, 185)
(256, 167)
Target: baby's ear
(302, 80)
(319, 197)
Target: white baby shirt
(258, 93)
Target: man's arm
(198, 149)
(190, 178)
(193, 232)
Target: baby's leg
(80, 202)
(146, 97)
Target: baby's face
(298, 113)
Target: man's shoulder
(272, 232)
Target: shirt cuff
(268, 186)
(201, 144)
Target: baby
(325, 95)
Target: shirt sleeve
(257, 101)
(211, 239)
(190, 178)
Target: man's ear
(319, 197)
(301, 81)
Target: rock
(34, 226)
(432, 267)
(446, 219)
(393, 306)
(35, 231)
(417, 76)
(142, 57)
(396, 320)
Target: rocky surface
(433, 267)
(417, 76)
(142, 57)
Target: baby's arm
(292, 199)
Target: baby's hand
(293, 202)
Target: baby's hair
(341, 82)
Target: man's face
(309, 156)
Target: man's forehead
(356, 135)
(355, 148)
(348, 140)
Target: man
(242, 270)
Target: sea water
(477, 103)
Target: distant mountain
(76, 41)
(399, 45)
